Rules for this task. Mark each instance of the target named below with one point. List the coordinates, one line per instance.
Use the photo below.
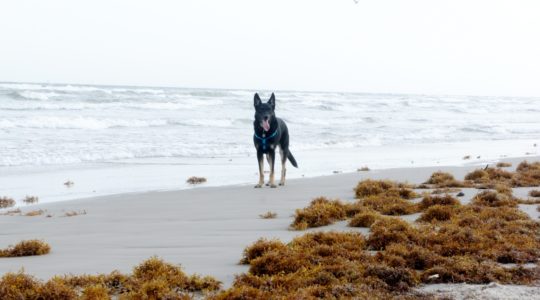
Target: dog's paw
(267, 184)
(258, 186)
(281, 183)
(273, 186)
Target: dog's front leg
(261, 169)
(271, 159)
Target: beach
(204, 229)
(109, 166)
(131, 136)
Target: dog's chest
(266, 141)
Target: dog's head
(264, 112)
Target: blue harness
(263, 140)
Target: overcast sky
(481, 47)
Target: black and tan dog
(270, 133)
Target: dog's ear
(257, 100)
(272, 101)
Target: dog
(270, 132)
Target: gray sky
(482, 47)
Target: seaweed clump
(6, 202)
(31, 199)
(490, 177)
(26, 248)
(526, 175)
(365, 218)
(409, 256)
(494, 199)
(320, 212)
(369, 187)
(429, 201)
(437, 213)
(441, 179)
(386, 197)
(74, 213)
(388, 231)
(19, 286)
(534, 193)
(195, 180)
(268, 215)
(34, 213)
(259, 248)
(152, 279)
(390, 205)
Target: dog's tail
(292, 160)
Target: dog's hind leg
(260, 159)
(271, 156)
(283, 157)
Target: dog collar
(263, 140)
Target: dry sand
(203, 229)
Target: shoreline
(203, 229)
(169, 174)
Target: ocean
(117, 139)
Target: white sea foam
(33, 95)
(121, 104)
(206, 122)
(51, 87)
(75, 122)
